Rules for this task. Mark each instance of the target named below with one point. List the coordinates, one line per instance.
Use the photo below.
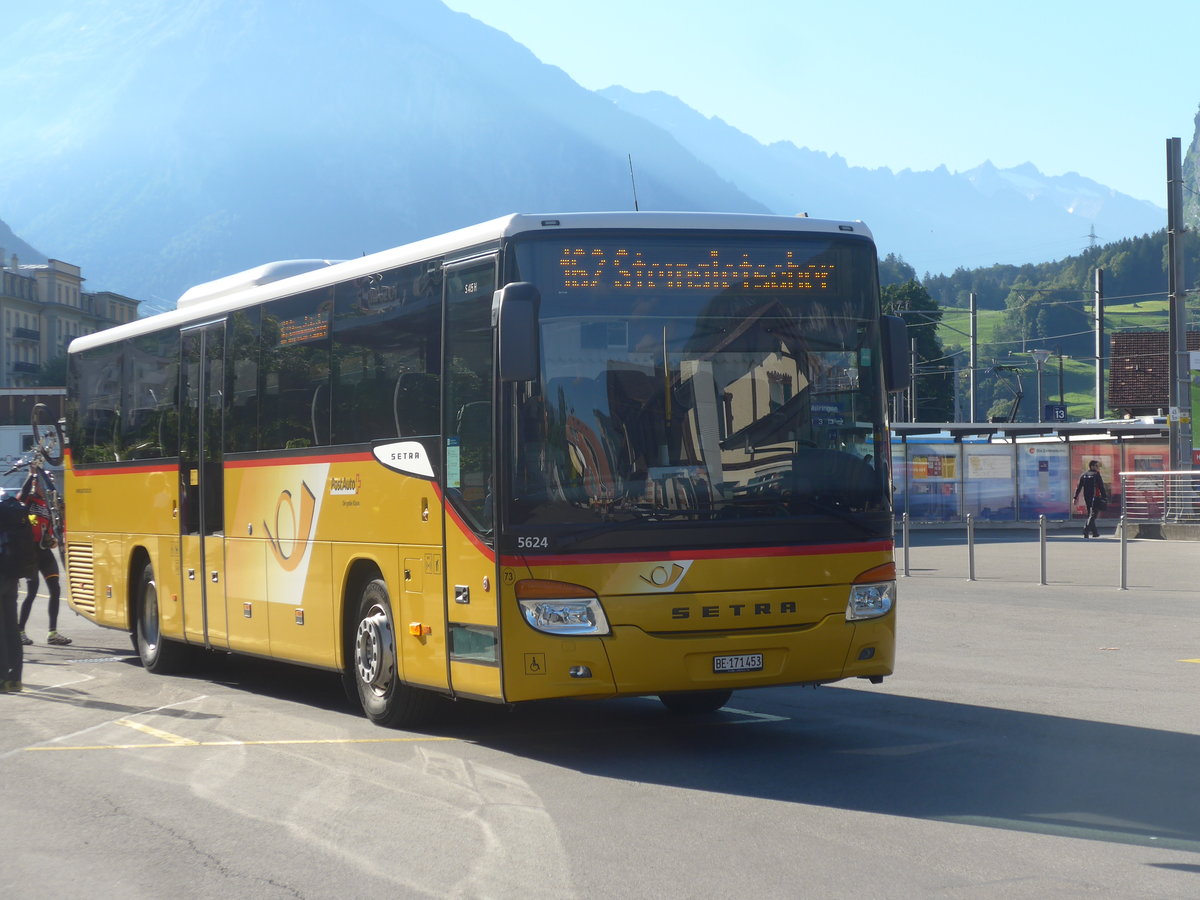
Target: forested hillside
(1047, 306)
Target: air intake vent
(81, 575)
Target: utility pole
(974, 359)
(957, 399)
(1062, 397)
(912, 389)
(1039, 359)
(1180, 418)
(1098, 300)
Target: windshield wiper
(638, 517)
(837, 512)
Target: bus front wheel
(695, 702)
(158, 655)
(374, 667)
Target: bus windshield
(713, 383)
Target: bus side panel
(471, 608)
(168, 579)
(109, 568)
(303, 626)
(138, 500)
(246, 595)
(137, 509)
(422, 656)
(279, 507)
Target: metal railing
(1122, 533)
(1169, 498)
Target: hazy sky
(1095, 88)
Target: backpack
(43, 527)
(18, 550)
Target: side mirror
(515, 318)
(893, 333)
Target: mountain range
(161, 143)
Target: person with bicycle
(33, 495)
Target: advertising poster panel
(1194, 367)
(899, 478)
(989, 483)
(933, 482)
(1044, 481)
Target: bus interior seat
(839, 475)
(415, 404)
(474, 423)
(141, 433)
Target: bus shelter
(1015, 472)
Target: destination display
(303, 329)
(674, 268)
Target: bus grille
(81, 575)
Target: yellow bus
(585, 455)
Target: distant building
(16, 435)
(43, 307)
(1139, 372)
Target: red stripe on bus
(464, 528)
(724, 553)
(123, 470)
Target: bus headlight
(558, 607)
(873, 593)
(870, 601)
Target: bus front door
(472, 611)
(201, 484)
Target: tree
(53, 373)
(894, 270)
(935, 370)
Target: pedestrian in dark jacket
(1095, 496)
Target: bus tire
(695, 702)
(159, 655)
(373, 664)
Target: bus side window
(149, 425)
(242, 382)
(294, 406)
(94, 384)
(386, 333)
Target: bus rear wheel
(373, 666)
(159, 656)
(695, 702)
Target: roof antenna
(632, 181)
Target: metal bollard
(1124, 556)
(970, 547)
(1042, 541)
(904, 534)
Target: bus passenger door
(472, 614)
(201, 484)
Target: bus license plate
(746, 662)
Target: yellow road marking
(1190, 660)
(154, 732)
(176, 741)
